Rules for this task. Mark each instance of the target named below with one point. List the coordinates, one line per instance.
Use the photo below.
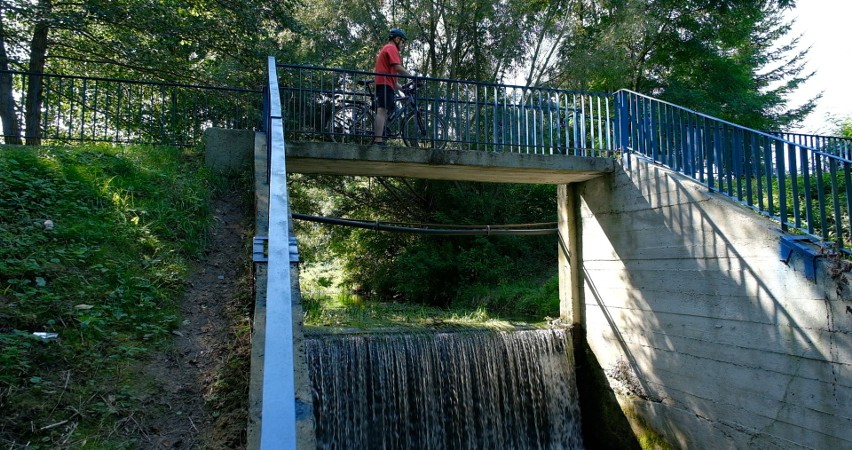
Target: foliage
(95, 244)
(481, 40)
(842, 127)
(731, 58)
(348, 312)
(429, 269)
(168, 40)
(526, 298)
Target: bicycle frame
(352, 119)
(405, 105)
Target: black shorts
(385, 97)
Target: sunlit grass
(328, 304)
(348, 312)
(96, 243)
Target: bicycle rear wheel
(424, 129)
(351, 124)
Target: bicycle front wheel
(424, 129)
(351, 124)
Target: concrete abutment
(708, 331)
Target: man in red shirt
(388, 62)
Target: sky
(825, 25)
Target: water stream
(459, 390)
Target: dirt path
(191, 378)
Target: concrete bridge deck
(465, 165)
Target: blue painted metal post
(623, 127)
(782, 183)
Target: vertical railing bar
(577, 115)
(654, 131)
(821, 196)
(794, 184)
(711, 156)
(686, 143)
(748, 168)
(781, 174)
(847, 180)
(609, 130)
(835, 196)
(583, 123)
(806, 179)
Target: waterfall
(459, 390)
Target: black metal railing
(463, 115)
(74, 108)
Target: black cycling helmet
(396, 32)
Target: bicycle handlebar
(413, 85)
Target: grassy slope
(95, 246)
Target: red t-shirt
(385, 60)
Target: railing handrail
(821, 136)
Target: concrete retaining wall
(706, 335)
(228, 151)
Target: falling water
(465, 390)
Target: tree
(481, 40)
(11, 130)
(196, 41)
(842, 127)
(726, 58)
(423, 268)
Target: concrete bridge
(708, 323)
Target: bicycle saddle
(365, 82)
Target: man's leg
(379, 124)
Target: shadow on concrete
(604, 424)
(731, 345)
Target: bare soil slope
(202, 380)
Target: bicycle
(352, 120)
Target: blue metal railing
(474, 116)
(75, 108)
(797, 184)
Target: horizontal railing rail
(834, 145)
(470, 115)
(801, 186)
(74, 108)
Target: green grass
(348, 312)
(96, 243)
(327, 305)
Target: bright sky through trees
(825, 26)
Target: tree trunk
(38, 54)
(11, 128)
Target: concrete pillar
(571, 299)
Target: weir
(700, 262)
(445, 390)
